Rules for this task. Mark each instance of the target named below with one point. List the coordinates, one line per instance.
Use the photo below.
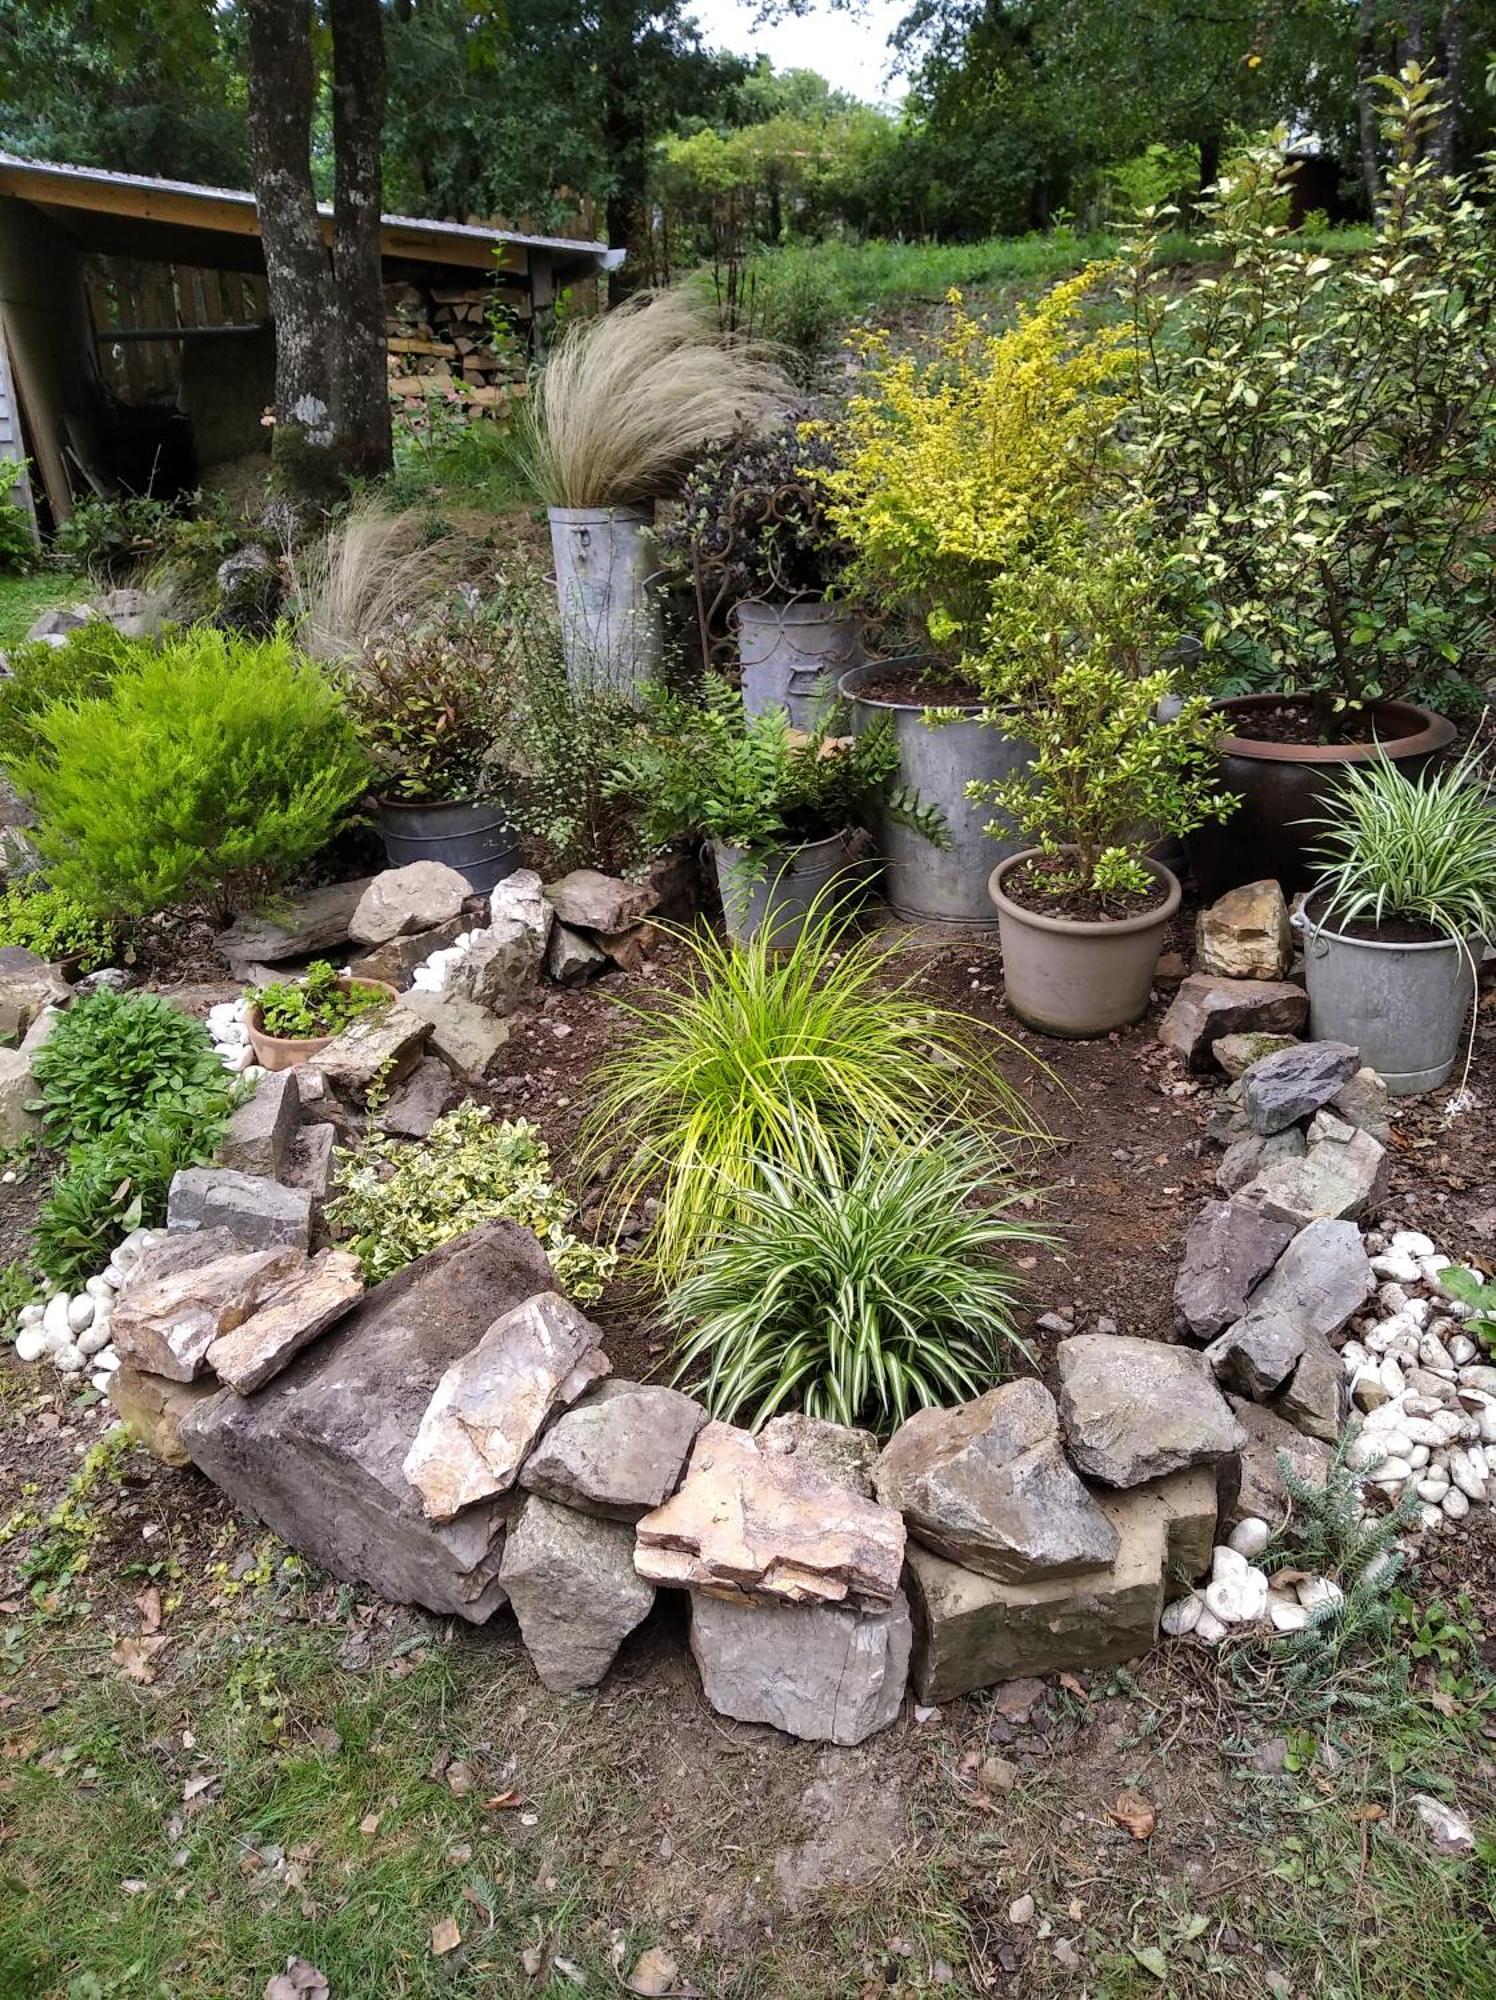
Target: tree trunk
(1367, 67)
(1452, 51)
(361, 401)
(282, 90)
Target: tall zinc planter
(610, 617)
(793, 653)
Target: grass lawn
(24, 598)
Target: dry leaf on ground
(138, 1658)
(1133, 1811)
(445, 1937)
(301, 1980)
(654, 1973)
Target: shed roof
(136, 215)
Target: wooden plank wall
(125, 292)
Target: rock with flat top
(1257, 1355)
(837, 1451)
(1246, 933)
(301, 927)
(1285, 1088)
(987, 1484)
(764, 1525)
(318, 1454)
(1342, 1176)
(464, 1035)
(285, 1320)
(382, 1048)
(1207, 1007)
(417, 897)
(1228, 1248)
(1316, 1399)
(1246, 1158)
(493, 1402)
(1321, 1281)
(166, 1326)
(261, 1129)
(571, 959)
(589, 901)
(152, 1408)
(574, 1590)
(819, 1672)
(262, 1213)
(420, 1100)
(619, 1452)
(1261, 1495)
(1136, 1410)
(1235, 1054)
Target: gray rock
(500, 968)
(1320, 1281)
(1134, 1410)
(815, 1671)
(576, 1595)
(987, 1485)
(290, 1317)
(396, 961)
(186, 1251)
(17, 1092)
(29, 983)
(1228, 1248)
(318, 1454)
(571, 959)
(383, 1047)
(589, 901)
(249, 588)
(300, 928)
(1205, 1008)
(260, 1212)
(1316, 1399)
(60, 622)
(417, 897)
(463, 1033)
(418, 1103)
(491, 1405)
(134, 614)
(1292, 1085)
(309, 1162)
(521, 898)
(1235, 1054)
(1336, 1179)
(1248, 1157)
(619, 1452)
(1261, 1495)
(836, 1451)
(1363, 1103)
(1257, 1355)
(165, 1325)
(118, 979)
(261, 1129)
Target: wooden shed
(136, 343)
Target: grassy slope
(24, 598)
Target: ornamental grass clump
(857, 1288)
(626, 403)
(756, 1058)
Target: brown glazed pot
(1075, 979)
(285, 1051)
(1282, 784)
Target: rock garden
(921, 1191)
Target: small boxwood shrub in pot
(1083, 915)
(1405, 904)
(290, 1023)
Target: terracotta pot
(1282, 784)
(1071, 978)
(285, 1051)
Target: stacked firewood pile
(444, 342)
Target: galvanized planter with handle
(479, 841)
(793, 653)
(611, 631)
(820, 875)
(1403, 1005)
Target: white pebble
(1227, 1565)
(55, 1318)
(1418, 1457)
(68, 1360)
(1391, 1376)
(1286, 1617)
(1463, 1474)
(94, 1337)
(1315, 1591)
(1432, 1489)
(80, 1312)
(1249, 1537)
(1397, 1266)
(107, 1359)
(98, 1288)
(1412, 1243)
(1392, 1472)
(31, 1343)
(1462, 1349)
(1183, 1615)
(32, 1315)
(1455, 1505)
(1208, 1628)
(100, 1380)
(1432, 1517)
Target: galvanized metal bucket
(611, 632)
(479, 841)
(823, 874)
(793, 653)
(927, 884)
(1403, 1006)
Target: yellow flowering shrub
(956, 462)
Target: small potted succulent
(290, 1023)
(751, 531)
(1404, 906)
(783, 808)
(1082, 914)
(427, 701)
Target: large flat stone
(1261, 1494)
(749, 1523)
(837, 1451)
(1246, 934)
(574, 1590)
(152, 1408)
(1205, 1008)
(418, 897)
(818, 1672)
(1321, 1280)
(464, 1035)
(167, 1326)
(1341, 1177)
(319, 1453)
(493, 1402)
(262, 1213)
(589, 901)
(1282, 1089)
(383, 1047)
(289, 1319)
(988, 1485)
(1228, 1248)
(261, 1129)
(1135, 1410)
(312, 923)
(618, 1453)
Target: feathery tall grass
(758, 1058)
(626, 403)
(371, 571)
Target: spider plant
(758, 1057)
(858, 1288)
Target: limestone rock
(500, 967)
(1246, 934)
(819, 1672)
(629, 949)
(261, 1129)
(1316, 1399)
(466, 1036)
(1135, 1410)
(521, 898)
(1363, 1103)
(1261, 1495)
(1247, 1158)
(839, 1453)
(417, 897)
(576, 1595)
(152, 1408)
(260, 1212)
(1336, 1179)
(18, 1122)
(589, 901)
(420, 1101)
(492, 1404)
(618, 1453)
(1228, 1248)
(29, 983)
(166, 1326)
(319, 1453)
(987, 1485)
(1235, 1054)
(1321, 1280)
(1292, 1085)
(746, 1522)
(185, 1251)
(309, 1162)
(1205, 1008)
(395, 961)
(285, 1321)
(311, 924)
(385, 1046)
(571, 959)
(1257, 1355)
